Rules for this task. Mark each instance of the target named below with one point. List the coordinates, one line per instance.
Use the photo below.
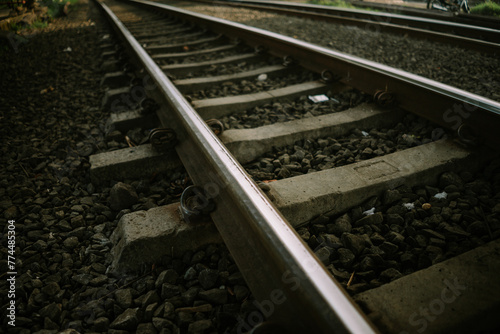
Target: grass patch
(488, 8)
(334, 3)
(341, 4)
(40, 24)
(35, 25)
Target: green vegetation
(38, 24)
(56, 7)
(335, 3)
(488, 8)
(341, 4)
(15, 27)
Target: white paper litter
(68, 49)
(369, 212)
(262, 77)
(364, 133)
(318, 98)
(442, 195)
(409, 206)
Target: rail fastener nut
(195, 204)
(383, 98)
(163, 139)
(148, 106)
(216, 126)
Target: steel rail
(471, 37)
(295, 290)
(449, 107)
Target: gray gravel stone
(71, 242)
(167, 276)
(346, 257)
(51, 289)
(214, 296)
(169, 311)
(122, 196)
(101, 324)
(147, 328)
(323, 254)
(128, 320)
(124, 298)
(170, 290)
(355, 243)
(200, 326)
(341, 225)
(150, 298)
(83, 279)
(208, 278)
(390, 274)
(52, 311)
(160, 324)
(190, 274)
(190, 295)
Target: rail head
(292, 287)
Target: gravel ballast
(468, 70)
(407, 229)
(301, 108)
(309, 156)
(230, 88)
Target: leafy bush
(488, 8)
(56, 6)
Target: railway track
(477, 20)
(473, 37)
(461, 18)
(294, 109)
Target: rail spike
(195, 204)
(327, 76)
(384, 98)
(216, 126)
(163, 139)
(289, 61)
(148, 106)
(260, 49)
(467, 137)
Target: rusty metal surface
(295, 290)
